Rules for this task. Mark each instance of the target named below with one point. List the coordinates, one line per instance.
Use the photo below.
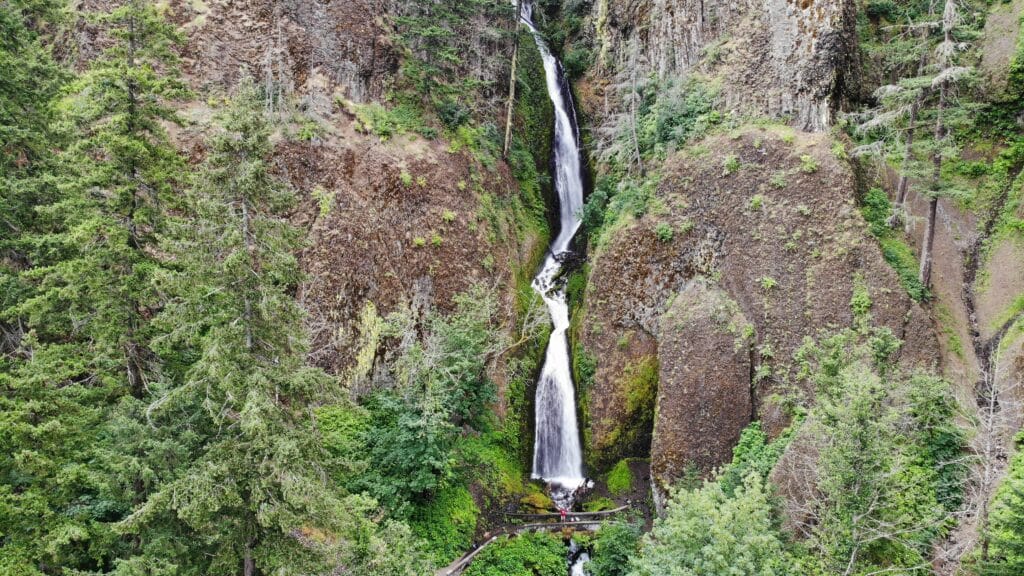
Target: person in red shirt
(562, 512)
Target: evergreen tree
(30, 83)
(706, 532)
(916, 102)
(253, 498)
(1003, 546)
(85, 358)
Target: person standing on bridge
(562, 511)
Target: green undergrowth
(1006, 521)
(388, 122)
(528, 554)
(599, 504)
(447, 522)
(754, 453)
(876, 208)
(620, 479)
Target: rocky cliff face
(394, 221)
(704, 399)
(781, 58)
(766, 249)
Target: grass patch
(599, 505)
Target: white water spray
(557, 456)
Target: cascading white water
(557, 457)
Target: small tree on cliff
(928, 99)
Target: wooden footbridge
(554, 522)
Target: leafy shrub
(446, 521)
(808, 164)
(706, 531)
(754, 453)
(452, 114)
(387, 123)
(876, 208)
(612, 548)
(576, 61)
(663, 231)
(529, 554)
(730, 165)
(778, 180)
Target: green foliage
(1005, 534)
(808, 164)
(81, 358)
(247, 390)
(664, 232)
(755, 453)
(27, 94)
(705, 531)
(778, 180)
(887, 452)
(612, 548)
(876, 208)
(599, 504)
(620, 479)
(387, 123)
(730, 165)
(438, 41)
(529, 554)
(446, 522)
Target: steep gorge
(723, 218)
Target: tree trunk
(512, 82)
(904, 182)
(900, 210)
(925, 277)
(929, 239)
(248, 566)
(250, 250)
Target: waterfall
(557, 456)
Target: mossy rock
(620, 479)
(537, 502)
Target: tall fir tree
(254, 497)
(84, 361)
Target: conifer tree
(253, 497)
(85, 356)
(926, 100)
